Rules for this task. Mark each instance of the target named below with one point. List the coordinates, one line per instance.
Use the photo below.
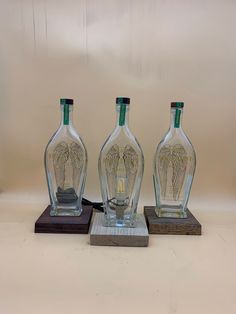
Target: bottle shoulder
(121, 137)
(65, 136)
(176, 138)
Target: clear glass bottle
(174, 167)
(65, 164)
(121, 166)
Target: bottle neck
(176, 118)
(122, 117)
(66, 115)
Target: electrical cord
(96, 205)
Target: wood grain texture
(115, 236)
(64, 224)
(184, 226)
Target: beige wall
(152, 51)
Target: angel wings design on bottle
(121, 168)
(68, 162)
(172, 159)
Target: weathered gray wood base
(115, 236)
(184, 226)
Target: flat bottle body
(121, 166)
(174, 167)
(65, 164)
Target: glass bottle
(121, 166)
(65, 164)
(174, 167)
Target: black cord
(96, 205)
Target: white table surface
(53, 273)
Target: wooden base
(116, 236)
(157, 225)
(64, 224)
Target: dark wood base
(160, 225)
(64, 224)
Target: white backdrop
(152, 51)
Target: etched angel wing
(111, 164)
(130, 157)
(60, 157)
(179, 165)
(77, 161)
(163, 165)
